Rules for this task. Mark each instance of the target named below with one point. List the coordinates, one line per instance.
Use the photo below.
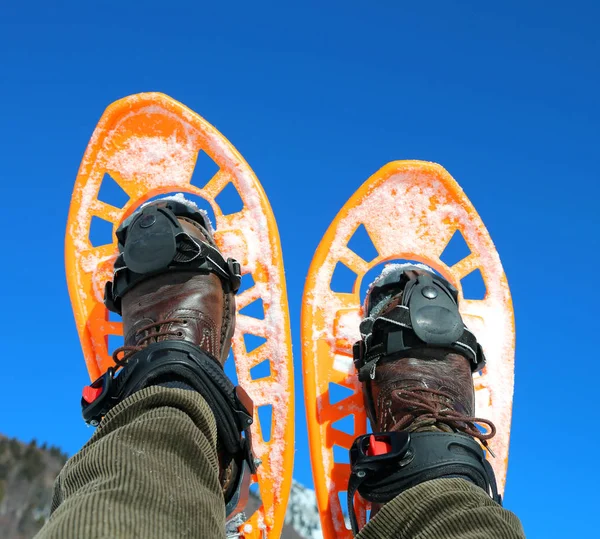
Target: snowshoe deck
(149, 145)
(410, 211)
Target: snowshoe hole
(229, 200)
(252, 342)
(247, 283)
(337, 393)
(229, 368)
(204, 170)
(255, 309)
(456, 250)
(473, 285)
(114, 342)
(345, 424)
(362, 245)
(341, 455)
(112, 193)
(265, 417)
(343, 279)
(114, 317)
(101, 231)
(262, 370)
(481, 428)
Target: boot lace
(427, 411)
(154, 332)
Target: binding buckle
(152, 241)
(428, 316)
(235, 274)
(372, 454)
(386, 464)
(95, 398)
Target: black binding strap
(427, 317)
(152, 241)
(180, 360)
(385, 464)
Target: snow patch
(157, 161)
(302, 512)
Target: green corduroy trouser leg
(151, 471)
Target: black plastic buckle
(244, 416)
(235, 274)
(363, 462)
(368, 458)
(358, 353)
(94, 411)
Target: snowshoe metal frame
(410, 210)
(149, 144)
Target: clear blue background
(317, 96)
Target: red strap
(90, 394)
(378, 447)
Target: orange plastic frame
(149, 143)
(410, 209)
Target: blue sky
(318, 96)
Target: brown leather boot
(183, 305)
(189, 298)
(419, 388)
